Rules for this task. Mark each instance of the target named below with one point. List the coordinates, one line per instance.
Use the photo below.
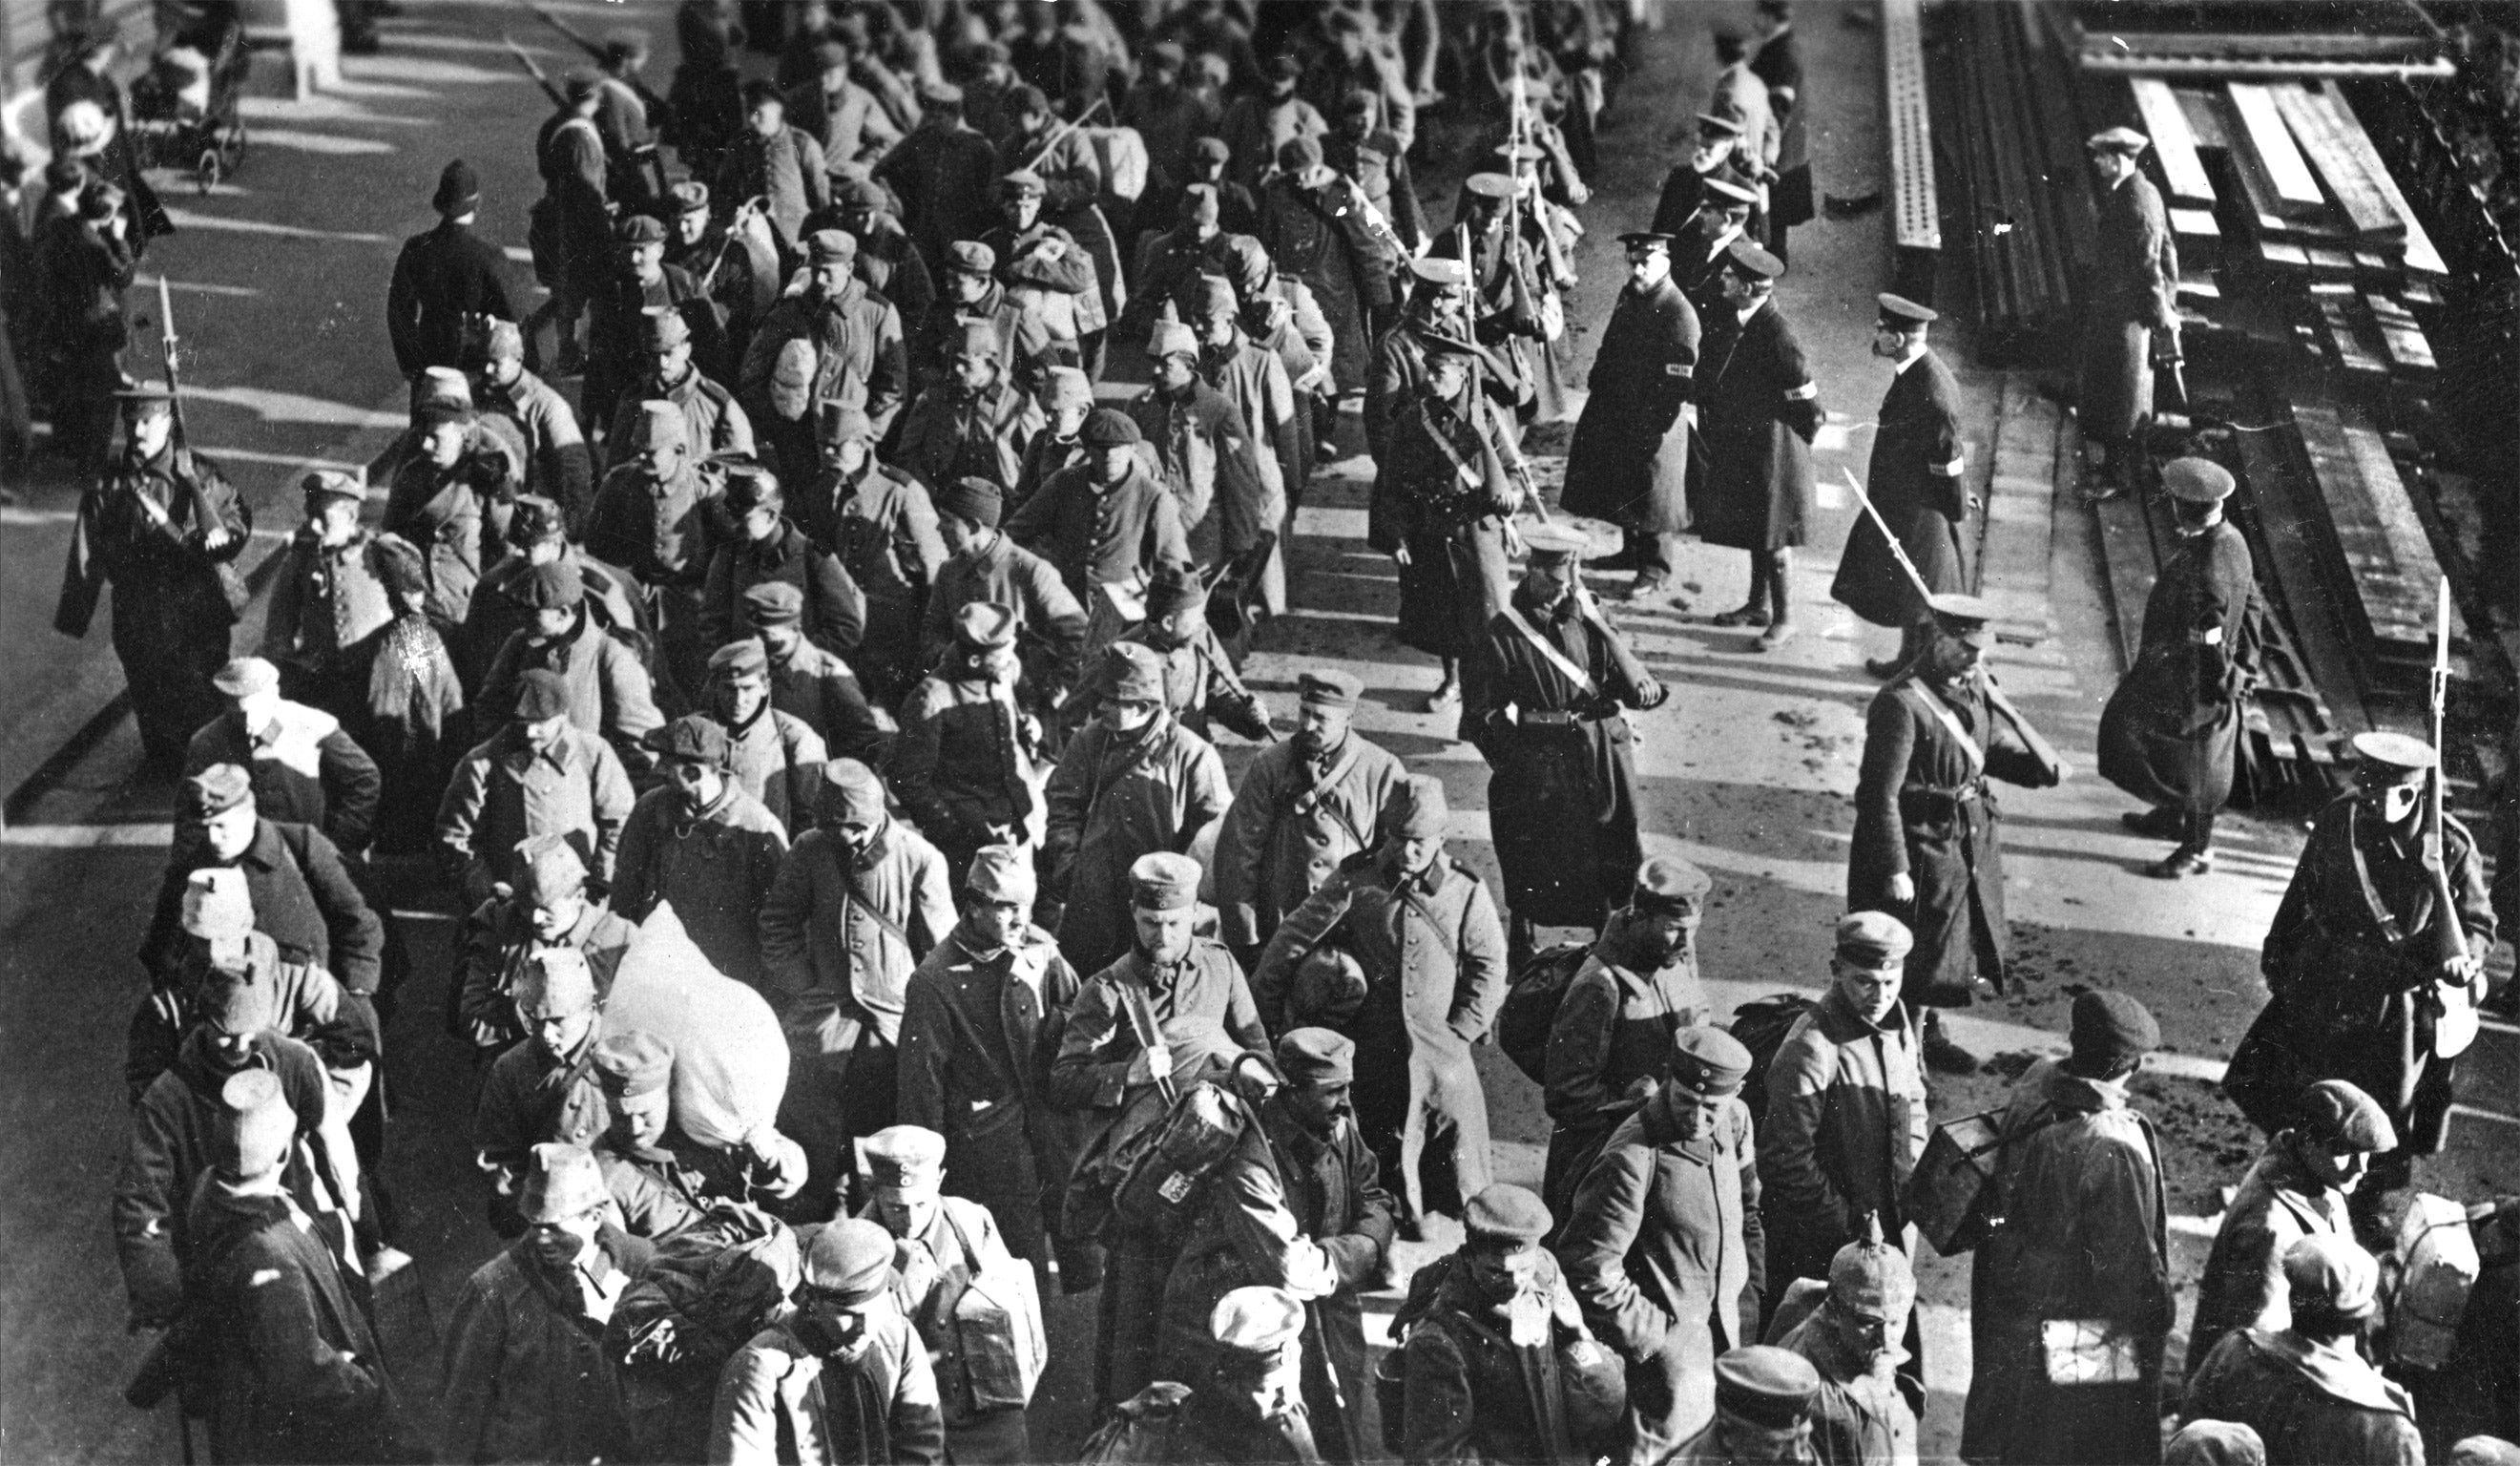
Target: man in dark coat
(1424, 937)
(1779, 64)
(1106, 522)
(2170, 732)
(306, 770)
(975, 1023)
(2131, 314)
(545, 1088)
(970, 761)
(1562, 797)
(1665, 1245)
(773, 160)
(329, 604)
(807, 682)
(1718, 154)
(2305, 1389)
(973, 422)
(1630, 455)
(304, 895)
(1611, 1044)
(1927, 842)
(713, 421)
(1443, 498)
(444, 277)
(860, 360)
(984, 565)
(1914, 481)
(1298, 1205)
(1312, 220)
(610, 694)
(765, 547)
(292, 1364)
(658, 518)
(1306, 804)
(637, 279)
(2084, 1240)
(164, 529)
(2360, 958)
(945, 173)
(1759, 412)
(2298, 1188)
(547, 907)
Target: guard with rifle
(164, 528)
(2375, 959)
(1928, 839)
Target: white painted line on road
(87, 837)
(322, 144)
(186, 218)
(196, 287)
(283, 460)
(296, 407)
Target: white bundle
(730, 1057)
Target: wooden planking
(2395, 608)
(2204, 113)
(2012, 568)
(2346, 343)
(2296, 188)
(2421, 257)
(2411, 352)
(2315, 127)
(2393, 504)
(2126, 545)
(2165, 122)
(2298, 560)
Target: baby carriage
(184, 111)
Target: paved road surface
(1748, 771)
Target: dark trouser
(1130, 1317)
(170, 647)
(1771, 580)
(833, 1097)
(1654, 553)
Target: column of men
(843, 623)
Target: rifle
(744, 211)
(167, 339)
(558, 97)
(658, 110)
(2031, 738)
(2453, 1006)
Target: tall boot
(2194, 854)
(1941, 1052)
(1752, 612)
(1780, 574)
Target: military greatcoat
(2172, 729)
(1443, 496)
(2132, 294)
(2347, 959)
(1320, 236)
(1913, 479)
(1295, 818)
(1629, 460)
(1113, 798)
(1759, 411)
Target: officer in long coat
(1664, 1248)
(1562, 797)
(1759, 412)
(1425, 935)
(1306, 804)
(2358, 959)
(2131, 317)
(2298, 1188)
(1442, 501)
(1611, 1041)
(1914, 481)
(1132, 783)
(2170, 732)
(1928, 845)
(1629, 460)
(163, 527)
(979, 1021)
(2084, 1240)
(1299, 1205)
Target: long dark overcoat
(2169, 732)
(1914, 481)
(1629, 460)
(1758, 412)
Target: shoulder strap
(850, 895)
(1582, 679)
(1917, 695)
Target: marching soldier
(1630, 455)
(1306, 804)
(537, 775)
(1250, 1404)
(329, 601)
(559, 466)
(860, 359)
(1611, 1042)
(1067, 399)
(2083, 1240)
(306, 770)
(1760, 412)
(1253, 382)
(2305, 1387)
(2170, 734)
(1664, 1246)
(163, 527)
(1861, 1414)
(639, 281)
(976, 1018)
(765, 546)
(451, 500)
(772, 755)
(702, 844)
(1562, 797)
(860, 901)
(543, 1089)
(1145, 1022)
(1443, 498)
(1928, 834)
(549, 907)
(610, 694)
(882, 523)
(1762, 1401)
(984, 565)
(1438, 307)
(974, 420)
(1846, 1107)
(941, 1246)
(843, 1376)
(714, 422)
(1200, 451)
(1131, 783)
(807, 682)
(2133, 319)
(1200, 685)
(503, 603)
(969, 764)
(1105, 523)
(2359, 961)
(657, 519)
(1424, 936)
(305, 897)
(1914, 481)
(1312, 220)
(2298, 1188)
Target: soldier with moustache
(538, 535)
(1200, 685)
(1611, 1042)
(772, 755)
(1438, 306)
(979, 1021)
(882, 523)
(1928, 843)
(714, 423)
(329, 601)
(1306, 804)
(640, 281)
(1106, 525)
(2363, 959)
(1629, 459)
(163, 527)
(1551, 725)
(610, 694)
(1863, 1412)
(2170, 734)
(1914, 481)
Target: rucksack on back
(1762, 1027)
(1122, 154)
(1531, 1004)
